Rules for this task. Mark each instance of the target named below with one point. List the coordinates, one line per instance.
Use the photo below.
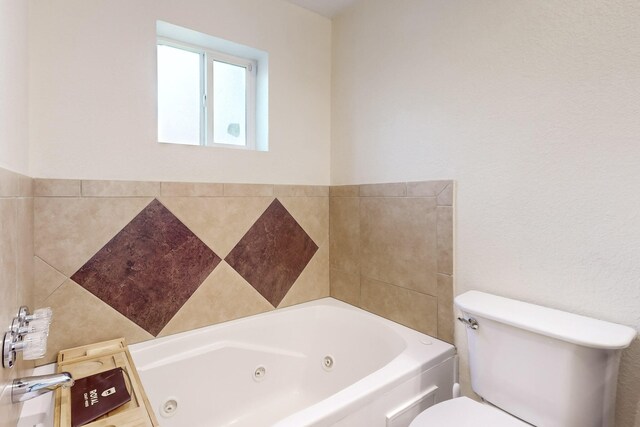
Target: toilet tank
(547, 367)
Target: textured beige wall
(392, 252)
(16, 272)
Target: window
(209, 97)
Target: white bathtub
(272, 370)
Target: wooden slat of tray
(139, 390)
(136, 417)
(92, 359)
(76, 354)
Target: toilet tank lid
(573, 328)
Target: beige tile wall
(16, 271)
(392, 252)
(386, 248)
(75, 218)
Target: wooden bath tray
(95, 358)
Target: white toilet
(533, 365)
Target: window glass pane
(229, 104)
(179, 99)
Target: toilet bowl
(464, 412)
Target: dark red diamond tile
(149, 269)
(273, 253)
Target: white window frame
(207, 58)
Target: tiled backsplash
(391, 249)
(143, 259)
(16, 270)
(273, 253)
(149, 269)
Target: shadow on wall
(628, 395)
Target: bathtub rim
(422, 352)
(325, 301)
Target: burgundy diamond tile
(149, 269)
(273, 253)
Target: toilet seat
(464, 412)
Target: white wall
(93, 90)
(13, 86)
(534, 109)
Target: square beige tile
(344, 191)
(395, 189)
(46, 280)
(413, 309)
(191, 189)
(345, 287)
(80, 318)
(57, 187)
(24, 267)
(301, 191)
(9, 290)
(220, 222)
(223, 296)
(26, 186)
(68, 231)
(445, 198)
(445, 308)
(120, 189)
(312, 213)
(313, 282)
(248, 190)
(8, 259)
(445, 239)
(15, 245)
(426, 188)
(344, 234)
(398, 242)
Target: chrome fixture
(28, 334)
(29, 387)
(328, 362)
(470, 323)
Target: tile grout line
(56, 270)
(16, 252)
(399, 286)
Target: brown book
(96, 395)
